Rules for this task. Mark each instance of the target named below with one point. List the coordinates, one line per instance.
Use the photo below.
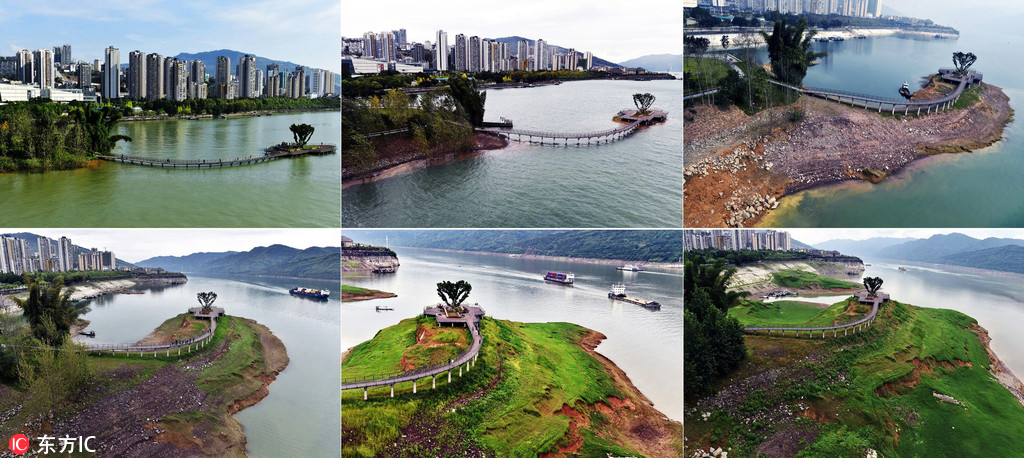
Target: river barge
(564, 279)
(618, 293)
(312, 293)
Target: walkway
(857, 325)
(892, 104)
(468, 357)
(210, 163)
(553, 138)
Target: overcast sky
(134, 245)
(812, 236)
(612, 30)
(301, 31)
(970, 16)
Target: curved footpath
(471, 318)
(862, 297)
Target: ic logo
(19, 444)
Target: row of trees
(43, 135)
(218, 107)
(369, 85)
(713, 344)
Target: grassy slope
(792, 278)
(384, 353)
(543, 369)
(796, 313)
(355, 290)
(707, 69)
(876, 389)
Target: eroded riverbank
(738, 166)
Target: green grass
(244, 356)
(707, 70)
(796, 313)
(543, 369)
(355, 290)
(792, 278)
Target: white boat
(629, 268)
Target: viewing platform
(270, 154)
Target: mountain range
(275, 260)
(649, 246)
(1002, 254)
(656, 62)
(514, 40)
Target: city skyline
(624, 32)
(169, 28)
(134, 245)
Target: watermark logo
(18, 444)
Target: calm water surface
(646, 344)
(979, 189)
(298, 192)
(300, 415)
(635, 182)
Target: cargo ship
(565, 279)
(618, 292)
(629, 268)
(309, 292)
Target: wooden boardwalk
(856, 325)
(269, 155)
(187, 346)
(591, 138)
(468, 357)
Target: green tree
(872, 284)
(469, 99)
(49, 311)
(643, 102)
(713, 342)
(301, 133)
(963, 61)
(453, 294)
(51, 375)
(206, 300)
(789, 48)
(714, 279)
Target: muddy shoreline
(999, 370)
(740, 166)
(352, 297)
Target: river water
(979, 189)
(635, 182)
(300, 415)
(296, 192)
(646, 344)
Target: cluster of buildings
(16, 256)
(854, 8)
(737, 239)
(390, 50)
(152, 76)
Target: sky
(974, 15)
(301, 31)
(812, 236)
(612, 30)
(134, 245)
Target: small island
(454, 381)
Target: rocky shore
(738, 166)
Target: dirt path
(735, 176)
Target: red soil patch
(909, 381)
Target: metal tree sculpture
(206, 300)
(643, 102)
(453, 294)
(301, 133)
(963, 61)
(872, 284)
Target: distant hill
(274, 260)
(1006, 258)
(939, 246)
(794, 243)
(656, 62)
(868, 247)
(514, 40)
(209, 59)
(33, 246)
(650, 246)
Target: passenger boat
(618, 293)
(629, 268)
(903, 269)
(309, 292)
(565, 279)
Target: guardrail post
(364, 393)
(179, 351)
(392, 391)
(433, 382)
(449, 376)
(413, 387)
(460, 370)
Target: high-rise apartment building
(179, 81)
(197, 80)
(137, 75)
(473, 54)
(45, 248)
(539, 53)
(460, 53)
(43, 59)
(273, 86)
(441, 51)
(112, 73)
(223, 77)
(589, 56)
(24, 66)
(155, 88)
(523, 55)
(65, 255)
(84, 74)
(247, 77)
